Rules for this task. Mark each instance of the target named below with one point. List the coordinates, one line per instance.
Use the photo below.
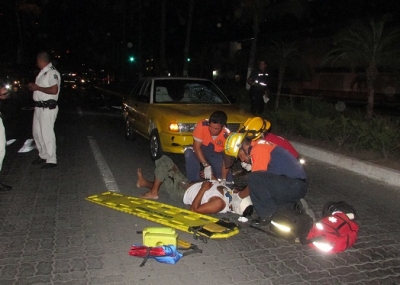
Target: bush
(319, 121)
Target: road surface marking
(105, 171)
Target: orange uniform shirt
(261, 155)
(202, 133)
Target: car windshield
(187, 91)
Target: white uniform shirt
(47, 77)
(192, 191)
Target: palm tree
(283, 53)
(256, 10)
(370, 46)
(261, 10)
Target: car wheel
(155, 145)
(129, 133)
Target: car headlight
(182, 128)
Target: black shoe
(49, 165)
(258, 222)
(302, 206)
(38, 160)
(5, 187)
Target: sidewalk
(384, 174)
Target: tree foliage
(371, 46)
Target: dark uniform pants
(268, 191)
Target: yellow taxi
(165, 110)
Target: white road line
(105, 171)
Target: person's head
(217, 122)
(3, 91)
(262, 64)
(236, 146)
(43, 59)
(254, 128)
(244, 151)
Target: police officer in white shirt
(45, 95)
(4, 94)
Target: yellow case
(157, 236)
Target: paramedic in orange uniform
(208, 145)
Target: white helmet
(243, 207)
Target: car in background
(165, 110)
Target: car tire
(129, 133)
(155, 145)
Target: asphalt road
(49, 233)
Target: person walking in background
(4, 94)
(258, 81)
(45, 95)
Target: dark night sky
(92, 30)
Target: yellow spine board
(161, 213)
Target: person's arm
(199, 152)
(52, 90)
(250, 81)
(212, 206)
(225, 171)
(244, 193)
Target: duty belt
(51, 104)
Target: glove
(207, 172)
(246, 166)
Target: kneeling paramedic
(208, 146)
(276, 177)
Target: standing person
(208, 145)
(4, 94)
(277, 177)
(45, 95)
(258, 81)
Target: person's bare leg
(153, 193)
(141, 181)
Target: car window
(144, 94)
(187, 91)
(136, 90)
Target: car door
(140, 106)
(130, 104)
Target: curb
(370, 170)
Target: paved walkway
(49, 233)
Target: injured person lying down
(207, 197)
